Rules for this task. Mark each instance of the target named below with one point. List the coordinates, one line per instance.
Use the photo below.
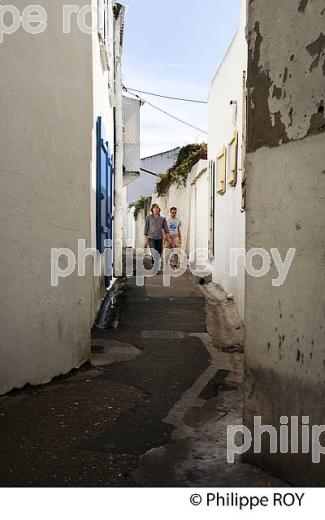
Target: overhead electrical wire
(148, 171)
(168, 97)
(166, 113)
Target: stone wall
(285, 167)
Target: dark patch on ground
(216, 384)
(230, 349)
(200, 415)
(108, 314)
(41, 431)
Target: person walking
(174, 225)
(155, 230)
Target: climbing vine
(139, 205)
(177, 174)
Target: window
(221, 171)
(233, 161)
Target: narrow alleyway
(153, 408)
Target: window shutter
(222, 171)
(233, 159)
(104, 216)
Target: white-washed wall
(285, 362)
(227, 86)
(45, 149)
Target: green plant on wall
(188, 156)
(139, 205)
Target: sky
(174, 47)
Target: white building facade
(145, 184)
(57, 186)
(226, 126)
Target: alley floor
(151, 410)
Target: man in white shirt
(174, 225)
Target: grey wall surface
(285, 166)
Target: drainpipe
(119, 12)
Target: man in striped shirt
(155, 230)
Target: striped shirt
(154, 227)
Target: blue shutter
(104, 213)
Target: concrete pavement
(151, 411)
